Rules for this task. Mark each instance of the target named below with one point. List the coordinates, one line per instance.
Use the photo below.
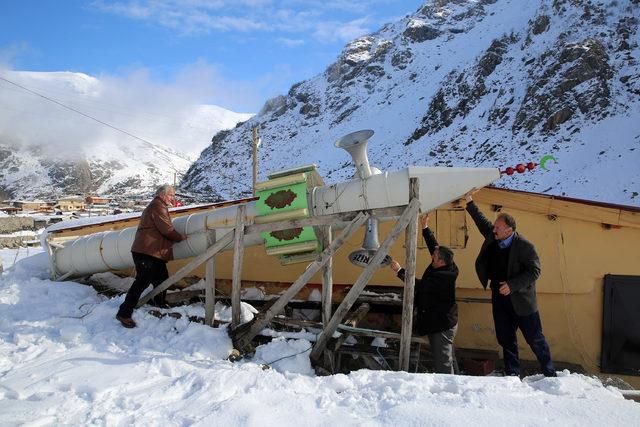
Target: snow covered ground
(64, 359)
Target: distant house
(97, 200)
(9, 209)
(24, 205)
(46, 209)
(71, 204)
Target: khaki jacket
(155, 235)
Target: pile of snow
(64, 359)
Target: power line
(149, 143)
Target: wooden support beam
(238, 255)
(373, 333)
(327, 278)
(210, 284)
(210, 291)
(256, 144)
(242, 339)
(322, 220)
(182, 273)
(410, 242)
(409, 213)
(352, 319)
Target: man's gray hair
(163, 189)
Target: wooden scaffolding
(242, 335)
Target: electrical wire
(291, 355)
(155, 147)
(383, 359)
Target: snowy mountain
(465, 83)
(46, 149)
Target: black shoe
(127, 322)
(550, 374)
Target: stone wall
(13, 242)
(11, 224)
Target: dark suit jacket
(523, 269)
(435, 294)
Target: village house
(70, 203)
(11, 210)
(25, 206)
(97, 200)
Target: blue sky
(239, 52)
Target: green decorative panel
(288, 200)
(288, 237)
(282, 199)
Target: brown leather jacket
(155, 235)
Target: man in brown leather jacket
(151, 250)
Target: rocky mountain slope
(465, 83)
(47, 150)
(120, 169)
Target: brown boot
(127, 322)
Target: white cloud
(172, 114)
(315, 17)
(341, 31)
(9, 53)
(290, 42)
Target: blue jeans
(507, 322)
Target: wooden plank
(210, 291)
(350, 298)
(238, 255)
(411, 238)
(352, 320)
(443, 226)
(630, 219)
(327, 278)
(259, 322)
(458, 228)
(322, 220)
(547, 205)
(192, 265)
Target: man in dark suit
(510, 265)
(435, 301)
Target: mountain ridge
(464, 83)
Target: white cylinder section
(438, 185)
(111, 250)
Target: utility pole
(256, 144)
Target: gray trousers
(444, 359)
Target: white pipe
(438, 185)
(110, 250)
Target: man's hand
(424, 220)
(395, 266)
(504, 289)
(184, 237)
(470, 193)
